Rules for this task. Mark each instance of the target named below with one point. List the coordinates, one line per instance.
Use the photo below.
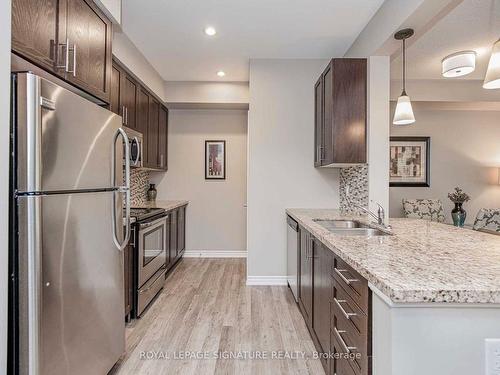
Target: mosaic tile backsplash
(357, 179)
(139, 185)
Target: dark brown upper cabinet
(340, 113)
(123, 96)
(34, 30)
(143, 100)
(163, 139)
(116, 90)
(143, 111)
(153, 132)
(69, 38)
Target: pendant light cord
(404, 66)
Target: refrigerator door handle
(121, 189)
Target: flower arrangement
(458, 196)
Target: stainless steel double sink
(350, 228)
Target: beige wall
(125, 51)
(465, 151)
(206, 92)
(216, 217)
(281, 154)
(4, 172)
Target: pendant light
(404, 112)
(492, 78)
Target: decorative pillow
(427, 209)
(488, 218)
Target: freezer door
(71, 284)
(64, 141)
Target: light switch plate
(492, 350)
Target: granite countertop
(421, 262)
(167, 205)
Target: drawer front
(339, 364)
(352, 282)
(348, 336)
(345, 307)
(147, 293)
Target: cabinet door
(173, 235)
(34, 31)
(163, 139)
(128, 268)
(143, 120)
(322, 287)
(115, 100)
(130, 101)
(327, 151)
(89, 34)
(349, 110)
(318, 122)
(181, 230)
(153, 132)
(306, 275)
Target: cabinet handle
(161, 160)
(347, 349)
(65, 66)
(345, 279)
(74, 58)
(123, 115)
(345, 313)
(126, 116)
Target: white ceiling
(170, 32)
(472, 25)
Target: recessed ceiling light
(459, 64)
(210, 31)
(221, 74)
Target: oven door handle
(157, 222)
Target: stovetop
(142, 213)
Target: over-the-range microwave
(135, 142)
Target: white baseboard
(266, 280)
(215, 254)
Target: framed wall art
(409, 161)
(215, 160)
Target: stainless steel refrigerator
(71, 188)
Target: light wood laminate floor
(206, 308)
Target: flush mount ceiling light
(210, 31)
(492, 78)
(404, 111)
(458, 64)
(221, 74)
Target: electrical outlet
(492, 349)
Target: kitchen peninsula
(426, 281)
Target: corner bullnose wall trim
(266, 280)
(215, 254)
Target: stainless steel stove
(150, 241)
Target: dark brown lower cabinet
(176, 237)
(181, 231)
(128, 268)
(173, 235)
(322, 286)
(335, 302)
(306, 276)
